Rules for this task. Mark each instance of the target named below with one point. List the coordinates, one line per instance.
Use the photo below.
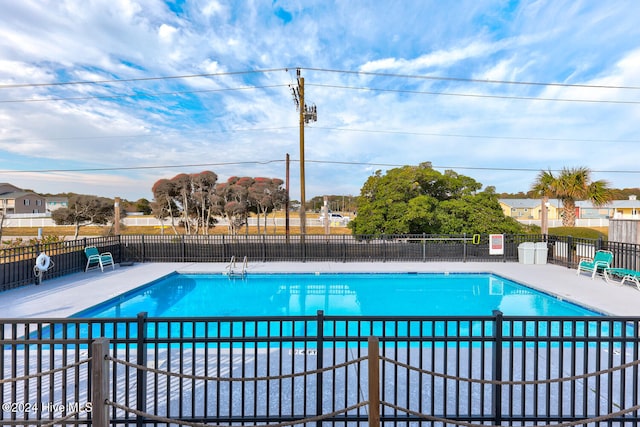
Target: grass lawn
(92, 231)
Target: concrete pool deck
(64, 296)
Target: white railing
(580, 222)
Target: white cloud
(547, 41)
(166, 33)
(440, 58)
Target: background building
(14, 200)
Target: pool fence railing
(17, 263)
(321, 370)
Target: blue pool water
(422, 294)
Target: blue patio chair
(597, 264)
(621, 275)
(96, 259)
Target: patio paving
(64, 296)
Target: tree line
(191, 201)
(195, 201)
(405, 200)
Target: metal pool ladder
(234, 271)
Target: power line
(123, 168)
(328, 162)
(462, 79)
(454, 135)
(407, 76)
(140, 95)
(139, 79)
(419, 92)
(327, 70)
(468, 167)
(144, 135)
(473, 95)
(338, 129)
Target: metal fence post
(497, 368)
(569, 252)
(224, 249)
(119, 255)
(303, 248)
(100, 381)
(143, 247)
(141, 359)
(319, 364)
(344, 248)
(373, 358)
(384, 248)
(504, 247)
(464, 247)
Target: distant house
(530, 209)
(14, 200)
(54, 203)
(626, 209)
(586, 210)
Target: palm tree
(571, 185)
(543, 188)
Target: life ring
(43, 262)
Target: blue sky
(395, 83)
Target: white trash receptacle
(541, 250)
(526, 253)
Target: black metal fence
(490, 370)
(17, 264)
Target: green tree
(143, 205)
(475, 214)
(265, 195)
(574, 184)
(192, 198)
(419, 199)
(86, 210)
(234, 198)
(164, 203)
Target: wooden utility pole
(286, 203)
(303, 207)
(116, 221)
(544, 217)
(325, 212)
(307, 114)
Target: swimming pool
(371, 294)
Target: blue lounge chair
(96, 259)
(621, 275)
(597, 264)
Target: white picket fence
(150, 221)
